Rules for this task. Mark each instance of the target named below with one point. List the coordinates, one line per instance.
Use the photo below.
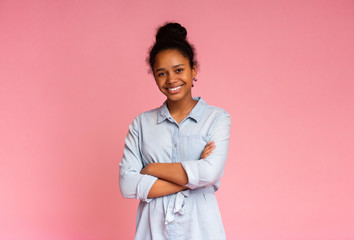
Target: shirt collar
(195, 114)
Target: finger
(210, 145)
(208, 152)
(205, 155)
(208, 149)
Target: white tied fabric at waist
(176, 202)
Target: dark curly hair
(172, 36)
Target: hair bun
(171, 31)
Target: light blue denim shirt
(154, 136)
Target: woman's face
(173, 75)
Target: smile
(175, 89)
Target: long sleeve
(132, 183)
(207, 171)
(154, 137)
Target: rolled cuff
(191, 169)
(144, 187)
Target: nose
(171, 78)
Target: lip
(174, 89)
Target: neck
(184, 106)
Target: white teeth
(174, 89)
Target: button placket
(175, 139)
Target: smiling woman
(174, 77)
(174, 155)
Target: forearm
(172, 172)
(162, 188)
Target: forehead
(169, 58)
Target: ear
(194, 71)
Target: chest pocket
(192, 146)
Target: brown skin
(172, 176)
(172, 70)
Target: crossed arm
(160, 179)
(172, 177)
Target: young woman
(174, 155)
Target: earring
(194, 80)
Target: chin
(174, 98)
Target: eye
(178, 70)
(160, 74)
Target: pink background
(73, 76)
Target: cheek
(159, 84)
(189, 79)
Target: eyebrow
(175, 66)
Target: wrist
(148, 169)
(145, 170)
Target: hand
(209, 147)
(145, 170)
